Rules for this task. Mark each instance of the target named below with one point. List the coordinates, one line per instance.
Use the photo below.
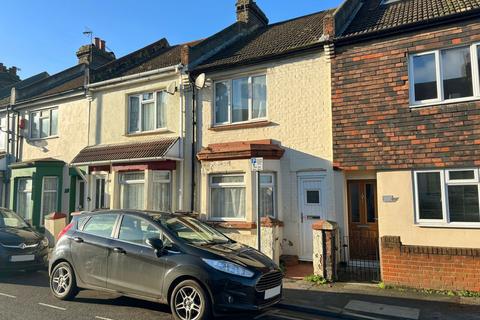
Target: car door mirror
(156, 244)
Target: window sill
(439, 103)
(147, 133)
(457, 225)
(243, 125)
(41, 139)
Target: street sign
(256, 164)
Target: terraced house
(405, 91)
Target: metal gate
(361, 265)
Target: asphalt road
(26, 296)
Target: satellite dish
(200, 81)
(172, 88)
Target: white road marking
(50, 306)
(102, 318)
(7, 295)
(383, 309)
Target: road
(26, 296)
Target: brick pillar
(271, 230)
(325, 238)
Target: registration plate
(23, 258)
(270, 293)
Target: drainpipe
(194, 129)
(182, 136)
(7, 163)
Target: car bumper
(40, 260)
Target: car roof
(146, 213)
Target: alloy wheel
(188, 303)
(61, 281)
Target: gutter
(97, 163)
(128, 79)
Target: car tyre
(63, 283)
(189, 301)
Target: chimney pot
(102, 45)
(97, 42)
(13, 71)
(249, 12)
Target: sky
(44, 35)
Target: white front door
(312, 206)
(81, 195)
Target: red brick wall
(374, 128)
(429, 267)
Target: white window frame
(106, 199)
(31, 117)
(140, 112)
(164, 181)
(229, 83)
(222, 185)
(439, 76)
(42, 217)
(445, 182)
(3, 131)
(272, 185)
(123, 182)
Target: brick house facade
(410, 152)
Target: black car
(21, 247)
(172, 259)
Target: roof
(154, 56)
(376, 17)
(5, 92)
(125, 151)
(241, 150)
(35, 162)
(271, 41)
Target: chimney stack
(8, 76)
(250, 13)
(95, 54)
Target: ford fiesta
(172, 259)
(21, 247)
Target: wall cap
(325, 225)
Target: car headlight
(44, 242)
(229, 267)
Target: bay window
(267, 195)
(227, 197)
(240, 100)
(43, 123)
(132, 190)
(162, 191)
(447, 196)
(446, 75)
(147, 111)
(49, 196)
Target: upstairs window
(44, 123)
(448, 75)
(147, 112)
(240, 100)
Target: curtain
(35, 125)
(228, 202)
(44, 124)
(148, 116)
(266, 201)
(259, 97)
(24, 199)
(49, 197)
(161, 109)
(54, 122)
(161, 196)
(221, 102)
(240, 100)
(134, 114)
(132, 189)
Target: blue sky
(44, 35)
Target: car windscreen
(8, 219)
(193, 231)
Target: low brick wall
(429, 267)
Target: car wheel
(62, 282)
(190, 302)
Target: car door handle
(78, 239)
(119, 250)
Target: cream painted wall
(299, 107)
(398, 218)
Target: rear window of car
(101, 225)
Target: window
(44, 123)
(137, 230)
(147, 111)
(100, 192)
(49, 195)
(3, 132)
(267, 195)
(132, 185)
(24, 198)
(162, 191)
(445, 75)
(450, 196)
(240, 100)
(101, 225)
(227, 197)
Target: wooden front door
(362, 219)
